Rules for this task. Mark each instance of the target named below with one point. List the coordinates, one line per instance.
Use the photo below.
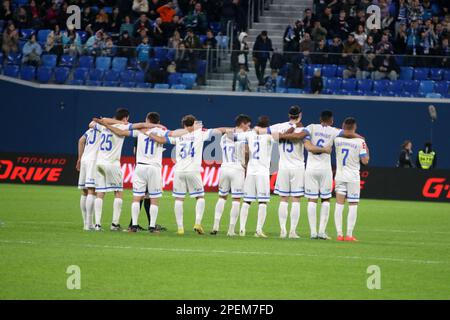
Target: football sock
(351, 219)
(295, 215)
(179, 213)
(199, 210)
(83, 209)
(312, 217)
(117, 209)
(153, 215)
(218, 213)
(243, 216)
(338, 218)
(90, 200)
(282, 215)
(98, 206)
(324, 214)
(147, 210)
(234, 213)
(262, 213)
(135, 213)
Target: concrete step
(295, 2)
(295, 13)
(212, 88)
(229, 76)
(284, 20)
(288, 7)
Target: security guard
(426, 159)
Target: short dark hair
(349, 123)
(242, 118)
(188, 120)
(294, 111)
(263, 121)
(153, 117)
(326, 115)
(122, 113)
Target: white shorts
(351, 190)
(231, 179)
(87, 175)
(187, 182)
(257, 188)
(318, 183)
(290, 182)
(147, 180)
(108, 178)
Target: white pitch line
(260, 253)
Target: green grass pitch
(40, 236)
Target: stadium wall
(49, 119)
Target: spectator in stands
(384, 46)
(177, 24)
(405, 158)
(62, 14)
(140, 7)
(71, 42)
(109, 49)
(386, 67)
(209, 53)
(159, 39)
(335, 50)
(95, 43)
(360, 35)
(142, 24)
(87, 17)
(388, 23)
(401, 14)
(292, 36)
(318, 32)
(317, 82)
(228, 13)
(294, 78)
(125, 45)
(6, 12)
(341, 26)
(184, 58)
(127, 26)
(261, 54)
(166, 12)
(175, 40)
(351, 8)
(243, 81)
(192, 41)
(306, 47)
(350, 46)
(10, 40)
(415, 11)
(401, 39)
(21, 18)
(152, 9)
(320, 55)
(101, 20)
(277, 61)
(171, 68)
(366, 66)
(444, 50)
(53, 44)
(270, 82)
(308, 20)
(143, 54)
(34, 13)
(352, 66)
(239, 56)
(51, 15)
(327, 20)
(31, 52)
(115, 22)
(197, 19)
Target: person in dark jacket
(277, 61)
(317, 82)
(405, 158)
(261, 54)
(386, 67)
(239, 56)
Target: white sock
(351, 219)
(338, 218)
(295, 215)
(117, 210)
(243, 216)
(282, 215)
(83, 209)
(90, 200)
(199, 210)
(179, 213)
(153, 215)
(312, 218)
(218, 213)
(324, 215)
(98, 206)
(234, 214)
(135, 210)
(262, 213)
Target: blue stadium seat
(96, 75)
(43, 34)
(108, 10)
(389, 94)
(433, 95)
(421, 73)
(307, 82)
(349, 84)
(312, 68)
(111, 75)
(442, 87)
(174, 78)
(139, 76)
(110, 83)
(127, 76)
(44, 74)
(333, 84)
(340, 71)
(28, 73)
(66, 61)
(2, 24)
(343, 92)
(405, 94)
(178, 87)
(426, 86)
(160, 53)
(356, 93)
(21, 44)
(201, 68)
(81, 74)
(153, 64)
(189, 79)
(119, 64)
(14, 58)
(215, 27)
(171, 54)
(446, 75)
(93, 83)
(11, 70)
(281, 90)
(406, 73)
(411, 86)
(294, 90)
(48, 60)
(1, 58)
(381, 85)
(202, 38)
(26, 33)
(436, 74)
(74, 82)
(364, 85)
(102, 63)
(281, 82)
(128, 84)
(329, 70)
(395, 86)
(161, 86)
(284, 70)
(83, 36)
(86, 62)
(222, 42)
(143, 85)
(61, 74)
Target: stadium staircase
(276, 17)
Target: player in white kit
(291, 171)
(349, 154)
(232, 174)
(87, 156)
(187, 178)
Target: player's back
(189, 150)
(92, 144)
(233, 152)
(348, 154)
(148, 151)
(110, 148)
(260, 152)
(321, 136)
(291, 152)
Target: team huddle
(244, 172)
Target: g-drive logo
(74, 20)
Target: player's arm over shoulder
(364, 153)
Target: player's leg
(263, 196)
(90, 200)
(196, 190)
(135, 210)
(100, 189)
(338, 210)
(295, 217)
(326, 184)
(154, 186)
(179, 192)
(297, 191)
(154, 209)
(224, 189)
(237, 192)
(249, 197)
(84, 194)
(353, 200)
(282, 188)
(117, 210)
(312, 193)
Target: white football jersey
(148, 151)
(260, 151)
(321, 136)
(291, 152)
(110, 148)
(233, 152)
(189, 150)
(92, 142)
(348, 154)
